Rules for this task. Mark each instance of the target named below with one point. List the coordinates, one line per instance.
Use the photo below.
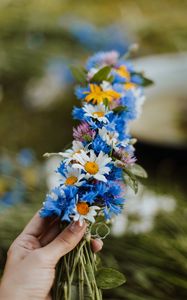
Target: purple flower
(125, 157)
(83, 132)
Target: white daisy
(94, 166)
(72, 177)
(69, 153)
(85, 212)
(97, 112)
(110, 137)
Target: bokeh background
(39, 40)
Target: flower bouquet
(97, 169)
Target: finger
(37, 225)
(65, 241)
(97, 245)
(51, 233)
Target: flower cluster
(101, 162)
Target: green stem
(87, 279)
(91, 261)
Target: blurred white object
(166, 104)
(42, 92)
(52, 178)
(141, 210)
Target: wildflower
(98, 112)
(83, 132)
(94, 166)
(124, 158)
(101, 59)
(72, 177)
(129, 85)
(97, 95)
(123, 72)
(85, 212)
(112, 198)
(98, 145)
(110, 137)
(69, 153)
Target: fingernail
(76, 227)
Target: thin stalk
(90, 259)
(87, 279)
(81, 280)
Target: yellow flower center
(91, 167)
(98, 114)
(123, 72)
(82, 208)
(71, 180)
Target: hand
(31, 260)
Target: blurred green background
(39, 40)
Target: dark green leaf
(119, 109)
(138, 170)
(79, 74)
(145, 81)
(110, 78)
(108, 278)
(101, 75)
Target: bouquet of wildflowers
(97, 169)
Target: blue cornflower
(78, 113)
(80, 92)
(115, 173)
(109, 195)
(99, 145)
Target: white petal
(78, 166)
(100, 177)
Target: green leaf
(119, 109)
(101, 75)
(79, 74)
(138, 170)
(110, 78)
(145, 81)
(105, 102)
(108, 278)
(132, 182)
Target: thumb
(65, 241)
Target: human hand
(31, 260)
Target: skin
(31, 260)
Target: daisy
(72, 177)
(94, 166)
(110, 137)
(77, 146)
(97, 112)
(97, 95)
(85, 212)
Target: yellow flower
(123, 72)
(129, 85)
(97, 95)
